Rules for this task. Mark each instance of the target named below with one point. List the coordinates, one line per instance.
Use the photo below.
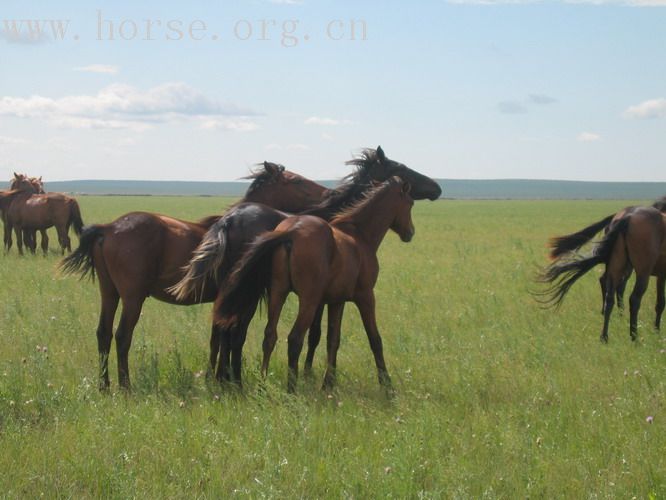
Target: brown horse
(637, 240)
(321, 262)
(20, 183)
(227, 239)
(142, 254)
(563, 245)
(37, 212)
(29, 236)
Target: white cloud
(235, 125)
(122, 106)
(11, 141)
(653, 108)
(588, 137)
(317, 120)
(99, 68)
(327, 137)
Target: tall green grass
(495, 397)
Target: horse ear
(406, 187)
(270, 168)
(16, 176)
(380, 154)
(40, 178)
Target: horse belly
(36, 216)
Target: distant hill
(452, 188)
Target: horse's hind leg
(609, 302)
(314, 336)
(619, 293)
(105, 331)
(215, 339)
(661, 300)
(332, 343)
(45, 242)
(238, 335)
(307, 308)
(602, 285)
(275, 303)
(635, 302)
(63, 239)
(19, 239)
(128, 320)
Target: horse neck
(372, 219)
(336, 201)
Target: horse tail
(205, 262)
(561, 245)
(562, 275)
(249, 280)
(75, 216)
(80, 261)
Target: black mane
(351, 189)
(263, 175)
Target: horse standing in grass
(29, 236)
(330, 263)
(563, 245)
(227, 239)
(142, 254)
(32, 212)
(19, 184)
(637, 240)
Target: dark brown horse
(142, 254)
(330, 263)
(637, 240)
(29, 236)
(226, 240)
(37, 212)
(563, 245)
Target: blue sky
(465, 89)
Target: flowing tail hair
(561, 245)
(249, 280)
(75, 217)
(80, 261)
(562, 275)
(205, 262)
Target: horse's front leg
(332, 343)
(366, 306)
(314, 336)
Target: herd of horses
(326, 254)
(26, 209)
(290, 234)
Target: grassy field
(495, 397)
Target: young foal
(142, 254)
(321, 262)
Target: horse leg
(63, 239)
(105, 332)
(635, 302)
(314, 336)
(19, 239)
(622, 286)
(29, 240)
(8, 237)
(307, 309)
(609, 302)
(45, 242)
(366, 306)
(238, 336)
(332, 342)
(128, 320)
(661, 300)
(215, 336)
(602, 284)
(275, 303)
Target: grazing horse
(321, 262)
(638, 241)
(36, 212)
(142, 254)
(227, 239)
(563, 245)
